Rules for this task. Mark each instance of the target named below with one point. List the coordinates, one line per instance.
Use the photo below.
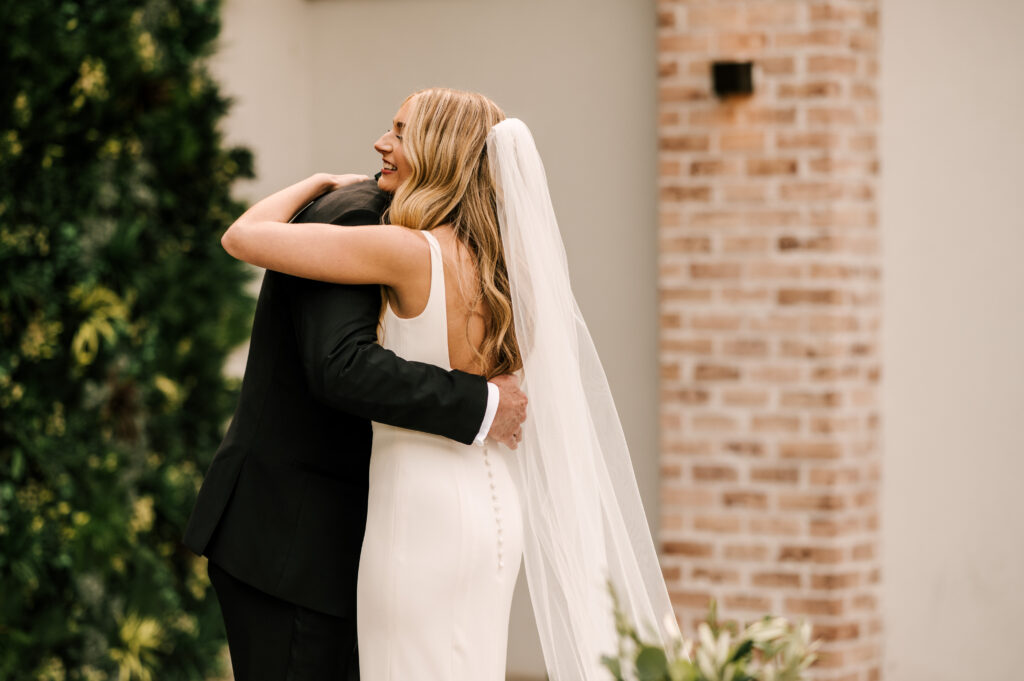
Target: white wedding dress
(444, 535)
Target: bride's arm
(372, 254)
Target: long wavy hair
(444, 142)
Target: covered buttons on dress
(496, 506)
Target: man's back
(283, 504)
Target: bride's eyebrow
(398, 125)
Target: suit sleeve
(345, 367)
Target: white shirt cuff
(492, 408)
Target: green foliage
(768, 649)
(117, 309)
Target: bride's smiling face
(395, 168)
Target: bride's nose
(381, 145)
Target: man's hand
(507, 427)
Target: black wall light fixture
(732, 78)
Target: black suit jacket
(283, 504)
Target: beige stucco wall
(317, 82)
(953, 226)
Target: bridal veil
(583, 520)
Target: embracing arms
(346, 368)
(367, 254)
(336, 325)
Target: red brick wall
(770, 282)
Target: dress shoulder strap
(435, 247)
(436, 301)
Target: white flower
(707, 641)
(706, 666)
(722, 649)
(766, 629)
(671, 626)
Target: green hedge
(117, 310)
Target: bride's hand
(331, 182)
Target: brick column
(770, 284)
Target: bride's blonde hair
(444, 142)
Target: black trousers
(274, 640)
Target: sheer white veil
(583, 519)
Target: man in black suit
(282, 511)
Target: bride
(475, 278)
